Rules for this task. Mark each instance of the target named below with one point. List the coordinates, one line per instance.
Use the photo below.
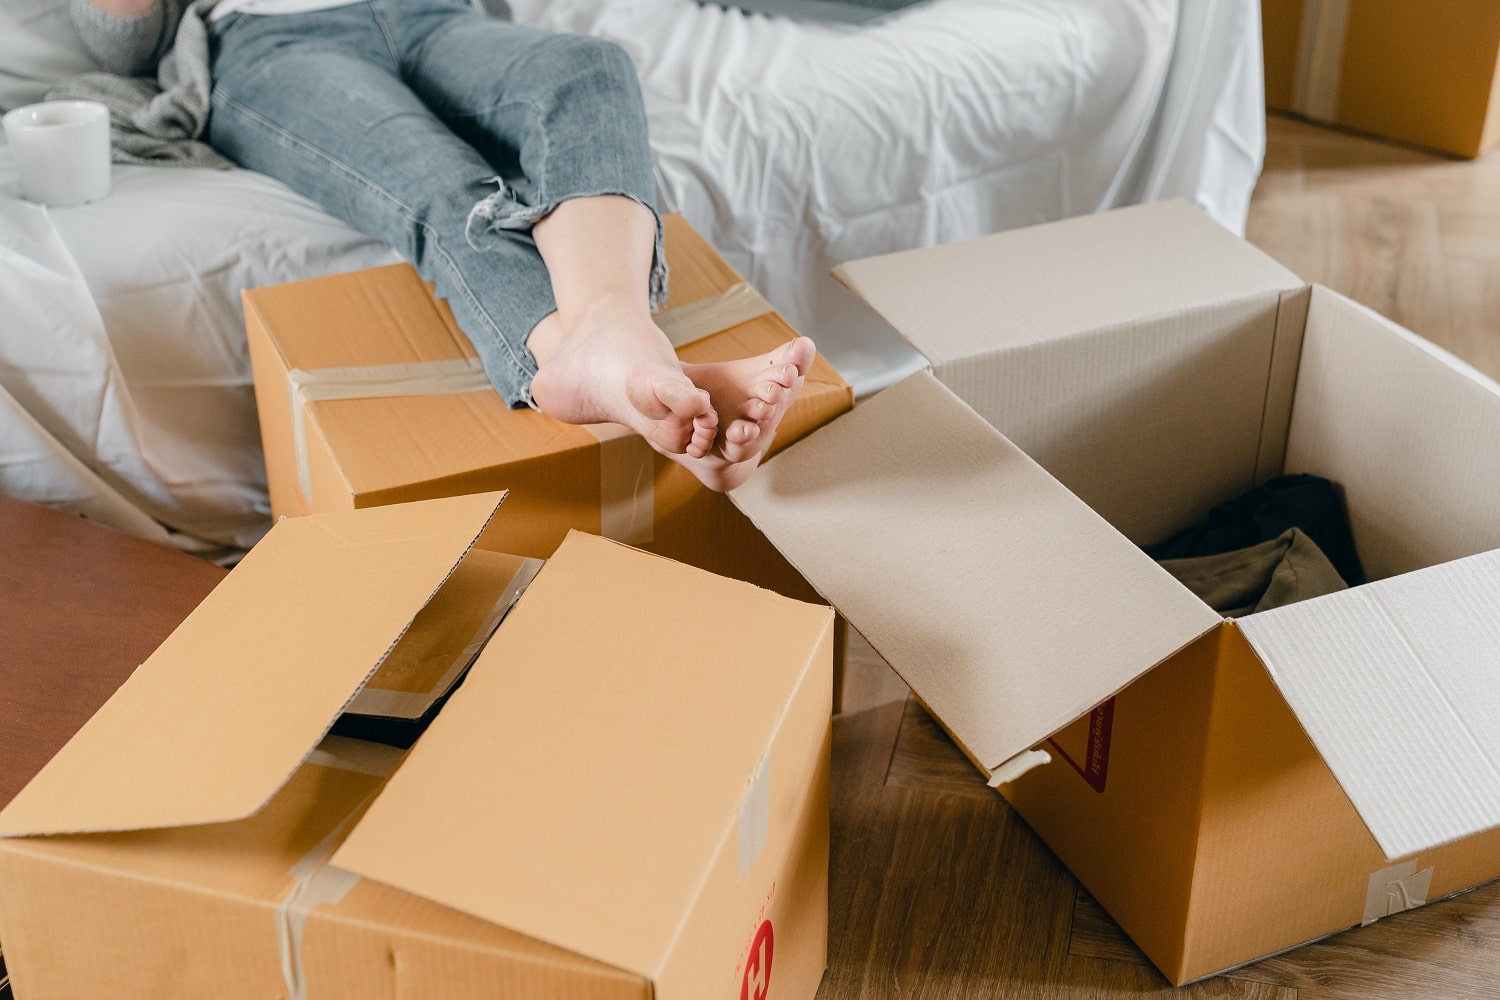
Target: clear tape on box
(626, 462)
(314, 881)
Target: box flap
(441, 438)
(579, 785)
(1008, 605)
(445, 636)
(1395, 684)
(325, 322)
(218, 718)
(1040, 282)
(1405, 429)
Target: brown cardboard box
(382, 367)
(1424, 73)
(1225, 789)
(627, 797)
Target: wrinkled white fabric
(123, 352)
(794, 146)
(125, 385)
(68, 434)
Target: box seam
(1202, 796)
(429, 937)
(1278, 345)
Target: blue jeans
(444, 132)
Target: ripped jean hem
(503, 210)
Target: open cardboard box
(369, 394)
(627, 796)
(1240, 787)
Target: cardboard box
(390, 406)
(627, 797)
(1424, 73)
(1225, 789)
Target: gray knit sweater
(158, 121)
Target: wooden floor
(1413, 236)
(939, 891)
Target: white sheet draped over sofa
(125, 388)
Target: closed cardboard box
(1225, 789)
(627, 797)
(368, 394)
(1424, 73)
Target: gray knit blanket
(158, 122)
(161, 122)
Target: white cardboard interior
(1397, 683)
(1025, 286)
(1025, 320)
(1411, 433)
(1089, 342)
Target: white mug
(61, 151)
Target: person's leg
(316, 101)
(565, 124)
(319, 102)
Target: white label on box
(1391, 890)
(755, 816)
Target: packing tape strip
(417, 378)
(1018, 765)
(698, 320)
(412, 704)
(313, 881)
(1395, 890)
(1320, 58)
(626, 462)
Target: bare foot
(750, 396)
(713, 419)
(616, 367)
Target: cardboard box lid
(445, 636)
(579, 785)
(347, 306)
(1008, 605)
(1024, 286)
(1395, 683)
(218, 718)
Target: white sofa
(125, 390)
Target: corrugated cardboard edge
(1281, 385)
(1391, 682)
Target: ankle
(611, 310)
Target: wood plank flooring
(939, 891)
(1414, 236)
